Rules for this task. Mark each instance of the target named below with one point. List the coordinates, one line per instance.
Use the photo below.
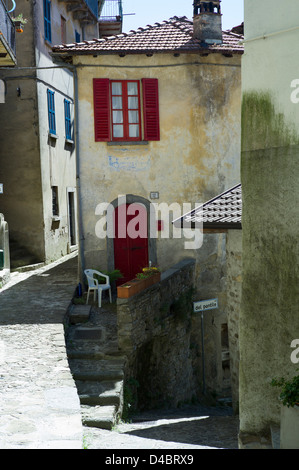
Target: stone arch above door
(152, 250)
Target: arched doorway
(131, 245)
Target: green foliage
(147, 272)
(130, 398)
(113, 275)
(182, 307)
(289, 390)
(20, 19)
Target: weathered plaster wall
(197, 155)
(196, 158)
(269, 313)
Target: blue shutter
(51, 112)
(67, 119)
(47, 20)
(77, 36)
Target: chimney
(207, 22)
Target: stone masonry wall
(234, 293)
(154, 331)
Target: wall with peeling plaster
(196, 158)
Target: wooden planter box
(136, 285)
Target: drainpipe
(81, 259)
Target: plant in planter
(113, 275)
(19, 22)
(149, 276)
(289, 395)
(289, 421)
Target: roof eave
(225, 51)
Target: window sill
(56, 218)
(69, 141)
(53, 136)
(139, 142)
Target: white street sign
(203, 305)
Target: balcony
(111, 18)
(7, 38)
(86, 11)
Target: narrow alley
(40, 408)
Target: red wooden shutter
(151, 109)
(101, 109)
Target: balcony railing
(112, 11)
(7, 28)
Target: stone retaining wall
(154, 331)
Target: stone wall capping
(177, 267)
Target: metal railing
(112, 11)
(7, 27)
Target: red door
(131, 240)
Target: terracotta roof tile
(173, 35)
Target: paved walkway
(39, 405)
(191, 427)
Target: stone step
(82, 352)
(103, 417)
(92, 350)
(78, 314)
(100, 393)
(97, 370)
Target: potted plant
(149, 276)
(19, 22)
(289, 423)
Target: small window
(67, 118)
(51, 111)
(55, 206)
(47, 20)
(125, 98)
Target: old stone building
(37, 151)
(159, 128)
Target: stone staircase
(96, 365)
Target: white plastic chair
(93, 285)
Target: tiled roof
(173, 35)
(223, 211)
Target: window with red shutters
(117, 110)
